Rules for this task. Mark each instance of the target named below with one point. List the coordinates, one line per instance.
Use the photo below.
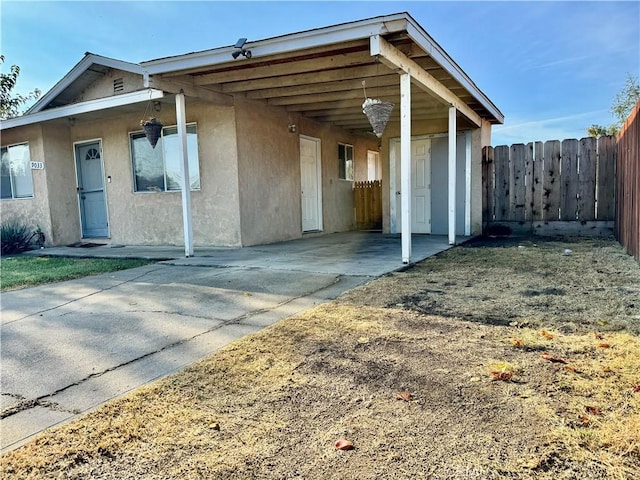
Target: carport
(319, 74)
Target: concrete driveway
(69, 347)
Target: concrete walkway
(71, 346)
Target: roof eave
(82, 107)
(88, 60)
(283, 44)
(429, 45)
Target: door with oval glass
(91, 197)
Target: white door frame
(104, 186)
(318, 143)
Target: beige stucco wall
(103, 87)
(31, 211)
(61, 183)
(269, 173)
(337, 194)
(155, 218)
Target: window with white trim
(158, 169)
(345, 161)
(16, 181)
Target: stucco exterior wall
(103, 87)
(337, 194)
(155, 218)
(61, 183)
(31, 211)
(269, 174)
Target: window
(158, 169)
(345, 162)
(16, 172)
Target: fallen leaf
(551, 358)
(636, 387)
(517, 342)
(598, 336)
(343, 444)
(569, 368)
(503, 376)
(592, 410)
(406, 396)
(584, 419)
(604, 345)
(546, 334)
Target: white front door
(420, 186)
(311, 184)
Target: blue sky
(553, 68)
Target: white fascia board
(81, 67)
(346, 32)
(429, 45)
(83, 107)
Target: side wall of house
(269, 174)
(30, 211)
(269, 166)
(155, 218)
(61, 183)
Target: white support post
(467, 184)
(452, 175)
(405, 164)
(181, 118)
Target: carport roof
(316, 73)
(319, 73)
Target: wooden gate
(367, 201)
(552, 188)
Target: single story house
(268, 135)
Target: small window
(345, 162)
(158, 169)
(17, 181)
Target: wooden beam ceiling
(325, 83)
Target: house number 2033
(37, 165)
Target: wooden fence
(628, 185)
(367, 200)
(552, 188)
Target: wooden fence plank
(587, 179)
(487, 187)
(569, 175)
(517, 195)
(528, 182)
(536, 183)
(501, 195)
(551, 181)
(605, 190)
(367, 199)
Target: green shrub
(15, 237)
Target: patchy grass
(28, 271)
(272, 405)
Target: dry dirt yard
(501, 359)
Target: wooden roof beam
(398, 61)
